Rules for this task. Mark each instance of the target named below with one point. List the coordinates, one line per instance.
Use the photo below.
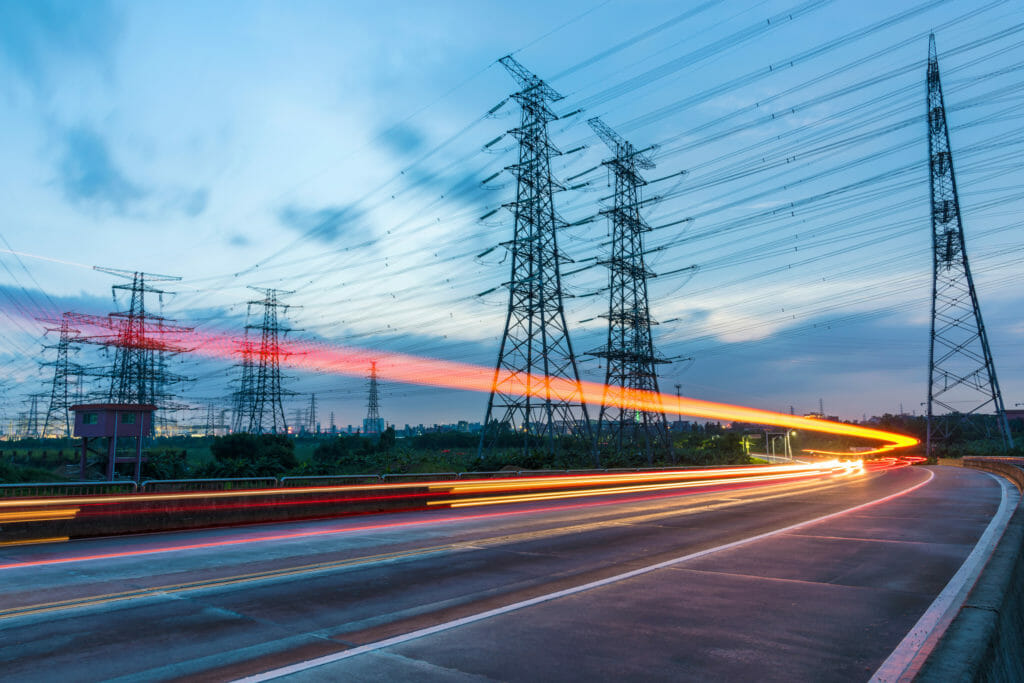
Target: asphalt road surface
(624, 589)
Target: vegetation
(246, 455)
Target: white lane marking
(430, 630)
(909, 656)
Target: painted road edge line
(909, 656)
(438, 628)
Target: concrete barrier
(985, 642)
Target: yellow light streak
(34, 541)
(557, 495)
(38, 515)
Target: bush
(166, 463)
(251, 455)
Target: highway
(712, 585)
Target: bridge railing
(424, 476)
(214, 484)
(330, 480)
(66, 488)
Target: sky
(346, 152)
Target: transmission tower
(142, 343)
(629, 354)
(962, 383)
(311, 416)
(243, 397)
(139, 374)
(536, 390)
(373, 424)
(265, 409)
(30, 419)
(58, 421)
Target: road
(824, 601)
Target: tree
(251, 455)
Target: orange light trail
(711, 479)
(834, 468)
(408, 369)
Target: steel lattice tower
(961, 375)
(243, 397)
(141, 345)
(373, 420)
(311, 417)
(536, 389)
(629, 354)
(266, 410)
(142, 342)
(61, 400)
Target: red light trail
(408, 369)
(645, 486)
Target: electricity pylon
(58, 420)
(373, 423)
(536, 390)
(629, 354)
(265, 409)
(961, 375)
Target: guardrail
(329, 480)
(215, 484)
(66, 488)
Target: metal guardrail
(217, 484)
(329, 479)
(540, 473)
(66, 488)
(495, 474)
(423, 476)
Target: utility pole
(629, 354)
(962, 382)
(536, 391)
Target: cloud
(326, 224)
(35, 34)
(88, 175)
(403, 139)
(191, 203)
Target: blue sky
(337, 150)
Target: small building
(113, 421)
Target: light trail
(408, 369)
(630, 495)
(44, 258)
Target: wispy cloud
(36, 36)
(326, 224)
(403, 139)
(87, 173)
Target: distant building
(113, 421)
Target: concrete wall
(985, 642)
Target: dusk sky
(339, 149)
